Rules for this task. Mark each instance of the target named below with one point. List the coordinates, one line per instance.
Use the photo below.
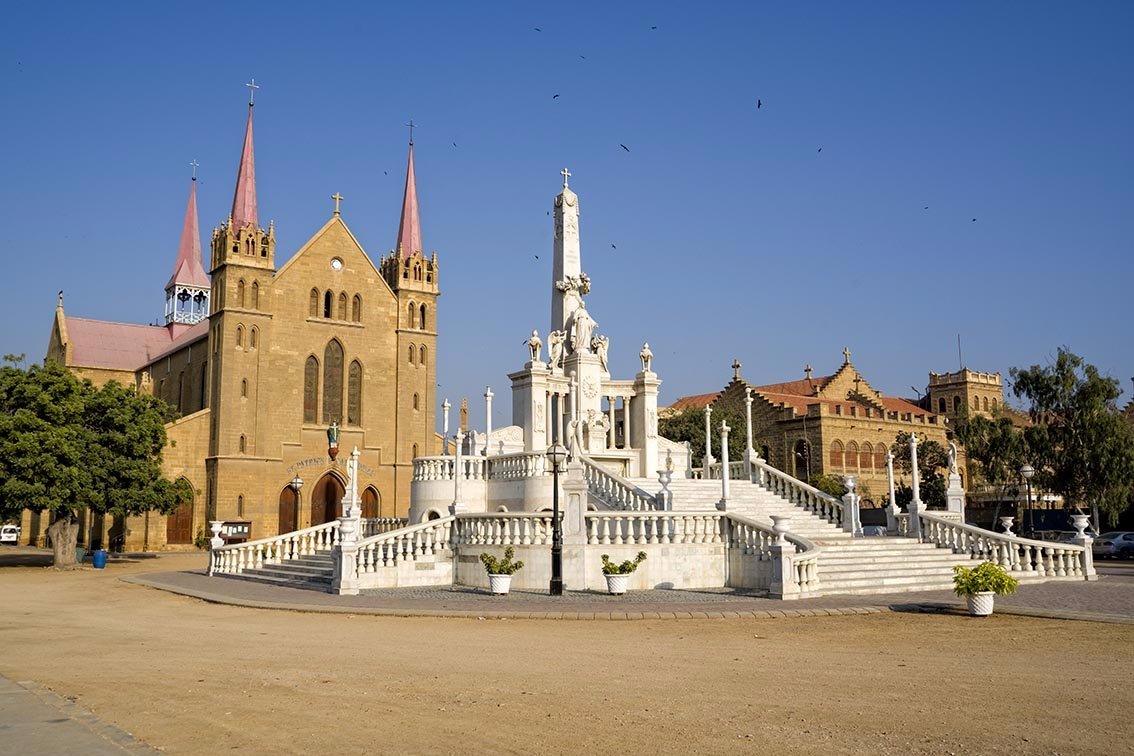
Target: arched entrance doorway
(326, 499)
(179, 524)
(289, 510)
(371, 502)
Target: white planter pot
(980, 605)
(616, 584)
(499, 584)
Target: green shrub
(503, 566)
(986, 576)
(625, 568)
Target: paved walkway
(36, 722)
(1110, 599)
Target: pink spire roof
(409, 228)
(188, 269)
(244, 202)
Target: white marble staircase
(311, 572)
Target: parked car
(10, 534)
(1117, 543)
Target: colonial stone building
(979, 393)
(825, 425)
(260, 360)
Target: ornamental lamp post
(296, 484)
(556, 454)
(1026, 472)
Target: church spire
(409, 228)
(188, 269)
(244, 201)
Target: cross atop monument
(411, 125)
(337, 198)
(846, 355)
(566, 174)
(807, 371)
(252, 87)
(736, 370)
(194, 165)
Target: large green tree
(66, 445)
(1082, 446)
(689, 425)
(932, 465)
(995, 448)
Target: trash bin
(98, 558)
(80, 554)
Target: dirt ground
(196, 678)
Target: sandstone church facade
(259, 361)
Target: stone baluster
(749, 452)
(1087, 565)
(783, 584)
(722, 505)
(915, 505)
(851, 521)
(708, 460)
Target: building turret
(187, 292)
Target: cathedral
(268, 367)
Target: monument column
(644, 421)
(566, 263)
(488, 420)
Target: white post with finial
(488, 419)
(458, 475)
(723, 503)
(445, 406)
(915, 488)
(708, 459)
(892, 506)
(749, 452)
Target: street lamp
(296, 484)
(556, 454)
(1026, 472)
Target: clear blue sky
(736, 237)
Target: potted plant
(500, 571)
(618, 574)
(980, 584)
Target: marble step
(288, 581)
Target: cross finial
(60, 297)
(566, 174)
(846, 355)
(736, 370)
(252, 87)
(194, 165)
(337, 198)
(807, 371)
(411, 125)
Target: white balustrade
(372, 526)
(402, 545)
(1042, 558)
(518, 466)
(646, 528)
(505, 529)
(237, 557)
(797, 492)
(616, 491)
(755, 540)
(475, 467)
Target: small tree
(995, 448)
(689, 425)
(1083, 447)
(932, 462)
(66, 446)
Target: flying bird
(926, 207)
(624, 147)
(759, 104)
(613, 247)
(583, 57)
(653, 28)
(820, 149)
(537, 257)
(385, 173)
(974, 220)
(555, 97)
(537, 28)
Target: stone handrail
(235, 558)
(441, 467)
(402, 545)
(735, 471)
(504, 528)
(1046, 558)
(517, 466)
(654, 527)
(754, 539)
(501, 467)
(372, 526)
(797, 492)
(616, 491)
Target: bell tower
(188, 290)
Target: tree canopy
(932, 464)
(66, 445)
(1083, 447)
(689, 425)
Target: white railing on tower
(235, 558)
(617, 492)
(1042, 558)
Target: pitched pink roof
(804, 387)
(188, 269)
(409, 227)
(244, 201)
(123, 346)
(696, 401)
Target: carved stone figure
(953, 459)
(646, 356)
(582, 326)
(601, 345)
(555, 348)
(535, 345)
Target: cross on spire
(807, 371)
(252, 87)
(736, 370)
(566, 174)
(337, 198)
(846, 355)
(194, 165)
(411, 125)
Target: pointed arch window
(412, 354)
(354, 394)
(356, 309)
(422, 326)
(416, 403)
(851, 460)
(986, 404)
(412, 315)
(311, 390)
(255, 295)
(254, 338)
(240, 293)
(243, 388)
(421, 356)
(240, 337)
(243, 444)
(866, 456)
(342, 305)
(313, 305)
(836, 454)
(333, 382)
(327, 297)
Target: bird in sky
(454, 144)
(537, 28)
(759, 103)
(624, 147)
(555, 97)
(537, 257)
(974, 220)
(926, 207)
(583, 57)
(613, 247)
(653, 28)
(820, 149)
(385, 173)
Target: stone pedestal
(644, 422)
(345, 578)
(530, 408)
(955, 496)
(573, 505)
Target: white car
(10, 534)
(1118, 543)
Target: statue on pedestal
(646, 356)
(535, 345)
(600, 345)
(582, 327)
(953, 470)
(555, 341)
